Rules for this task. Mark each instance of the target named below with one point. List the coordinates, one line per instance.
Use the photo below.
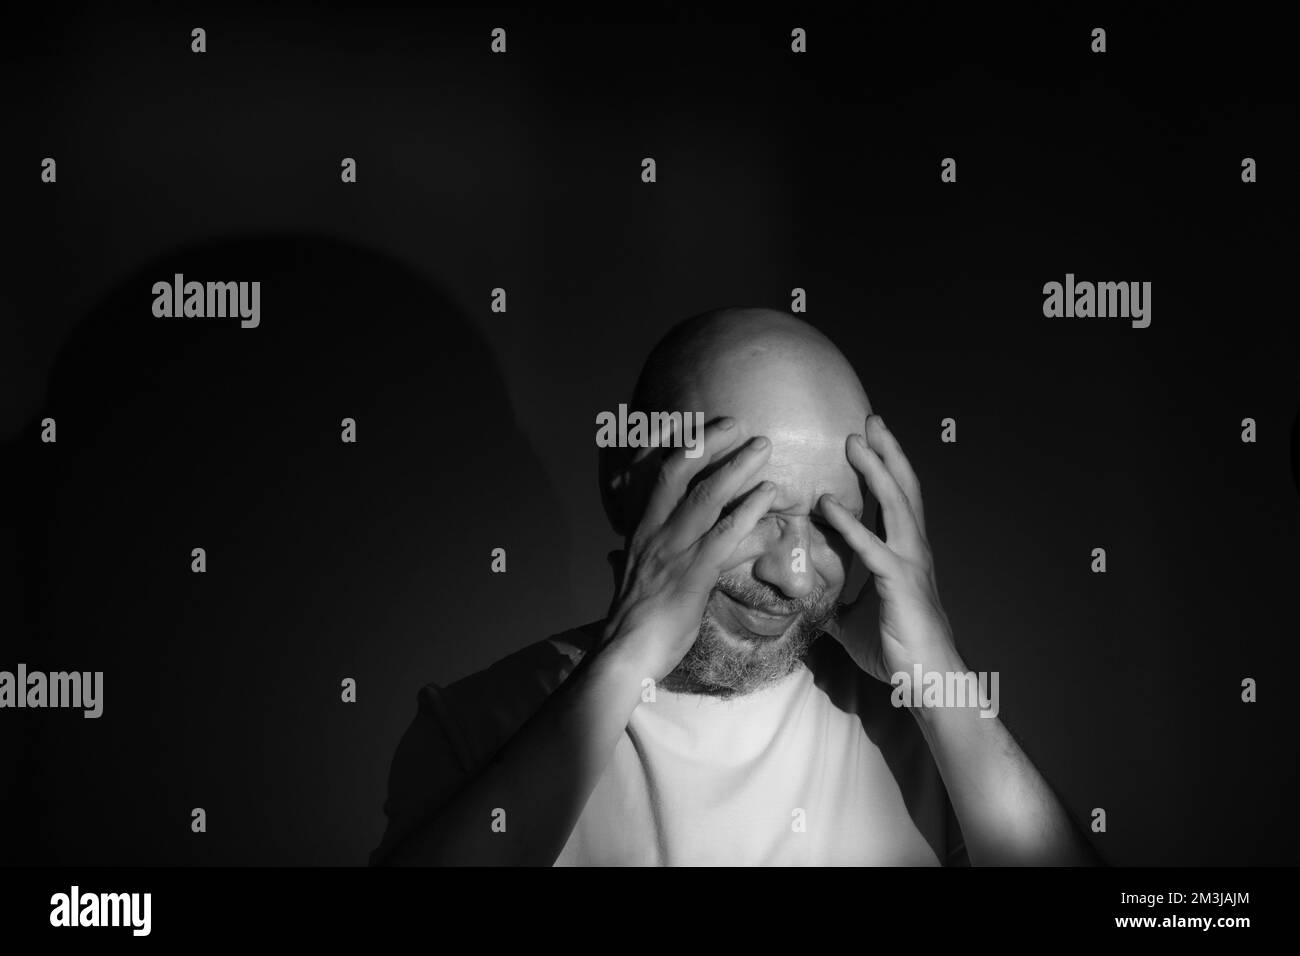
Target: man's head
(776, 376)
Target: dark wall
(476, 428)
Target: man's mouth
(759, 621)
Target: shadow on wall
(324, 560)
(1295, 452)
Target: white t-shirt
(816, 769)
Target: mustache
(765, 598)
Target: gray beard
(715, 667)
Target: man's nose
(786, 562)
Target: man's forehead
(807, 462)
(801, 439)
(801, 430)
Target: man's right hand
(682, 544)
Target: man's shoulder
(481, 711)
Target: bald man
(730, 709)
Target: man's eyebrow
(815, 513)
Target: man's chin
(727, 659)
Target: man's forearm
(1008, 813)
(542, 777)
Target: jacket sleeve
(459, 728)
(426, 771)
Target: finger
(875, 554)
(700, 508)
(722, 540)
(672, 437)
(677, 470)
(900, 523)
(882, 441)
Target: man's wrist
(939, 657)
(937, 672)
(620, 660)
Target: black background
(476, 429)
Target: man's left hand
(910, 626)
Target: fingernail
(725, 424)
(881, 420)
(758, 443)
(857, 439)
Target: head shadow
(324, 559)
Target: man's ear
(627, 476)
(615, 490)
